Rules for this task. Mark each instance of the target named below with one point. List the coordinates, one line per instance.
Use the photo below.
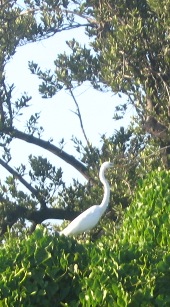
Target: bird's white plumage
(90, 217)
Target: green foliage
(41, 270)
(132, 48)
(131, 267)
(126, 267)
(128, 52)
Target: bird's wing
(85, 221)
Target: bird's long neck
(106, 195)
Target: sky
(57, 114)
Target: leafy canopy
(127, 54)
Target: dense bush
(132, 268)
(41, 270)
(129, 267)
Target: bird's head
(108, 164)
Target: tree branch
(66, 11)
(91, 22)
(8, 100)
(79, 116)
(50, 147)
(52, 32)
(24, 182)
(36, 217)
(51, 213)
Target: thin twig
(78, 113)
(8, 98)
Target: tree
(129, 55)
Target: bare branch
(50, 147)
(2, 117)
(52, 32)
(51, 213)
(8, 100)
(2, 114)
(24, 182)
(36, 217)
(79, 116)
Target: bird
(90, 217)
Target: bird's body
(83, 222)
(90, 217)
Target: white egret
(90, 217)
